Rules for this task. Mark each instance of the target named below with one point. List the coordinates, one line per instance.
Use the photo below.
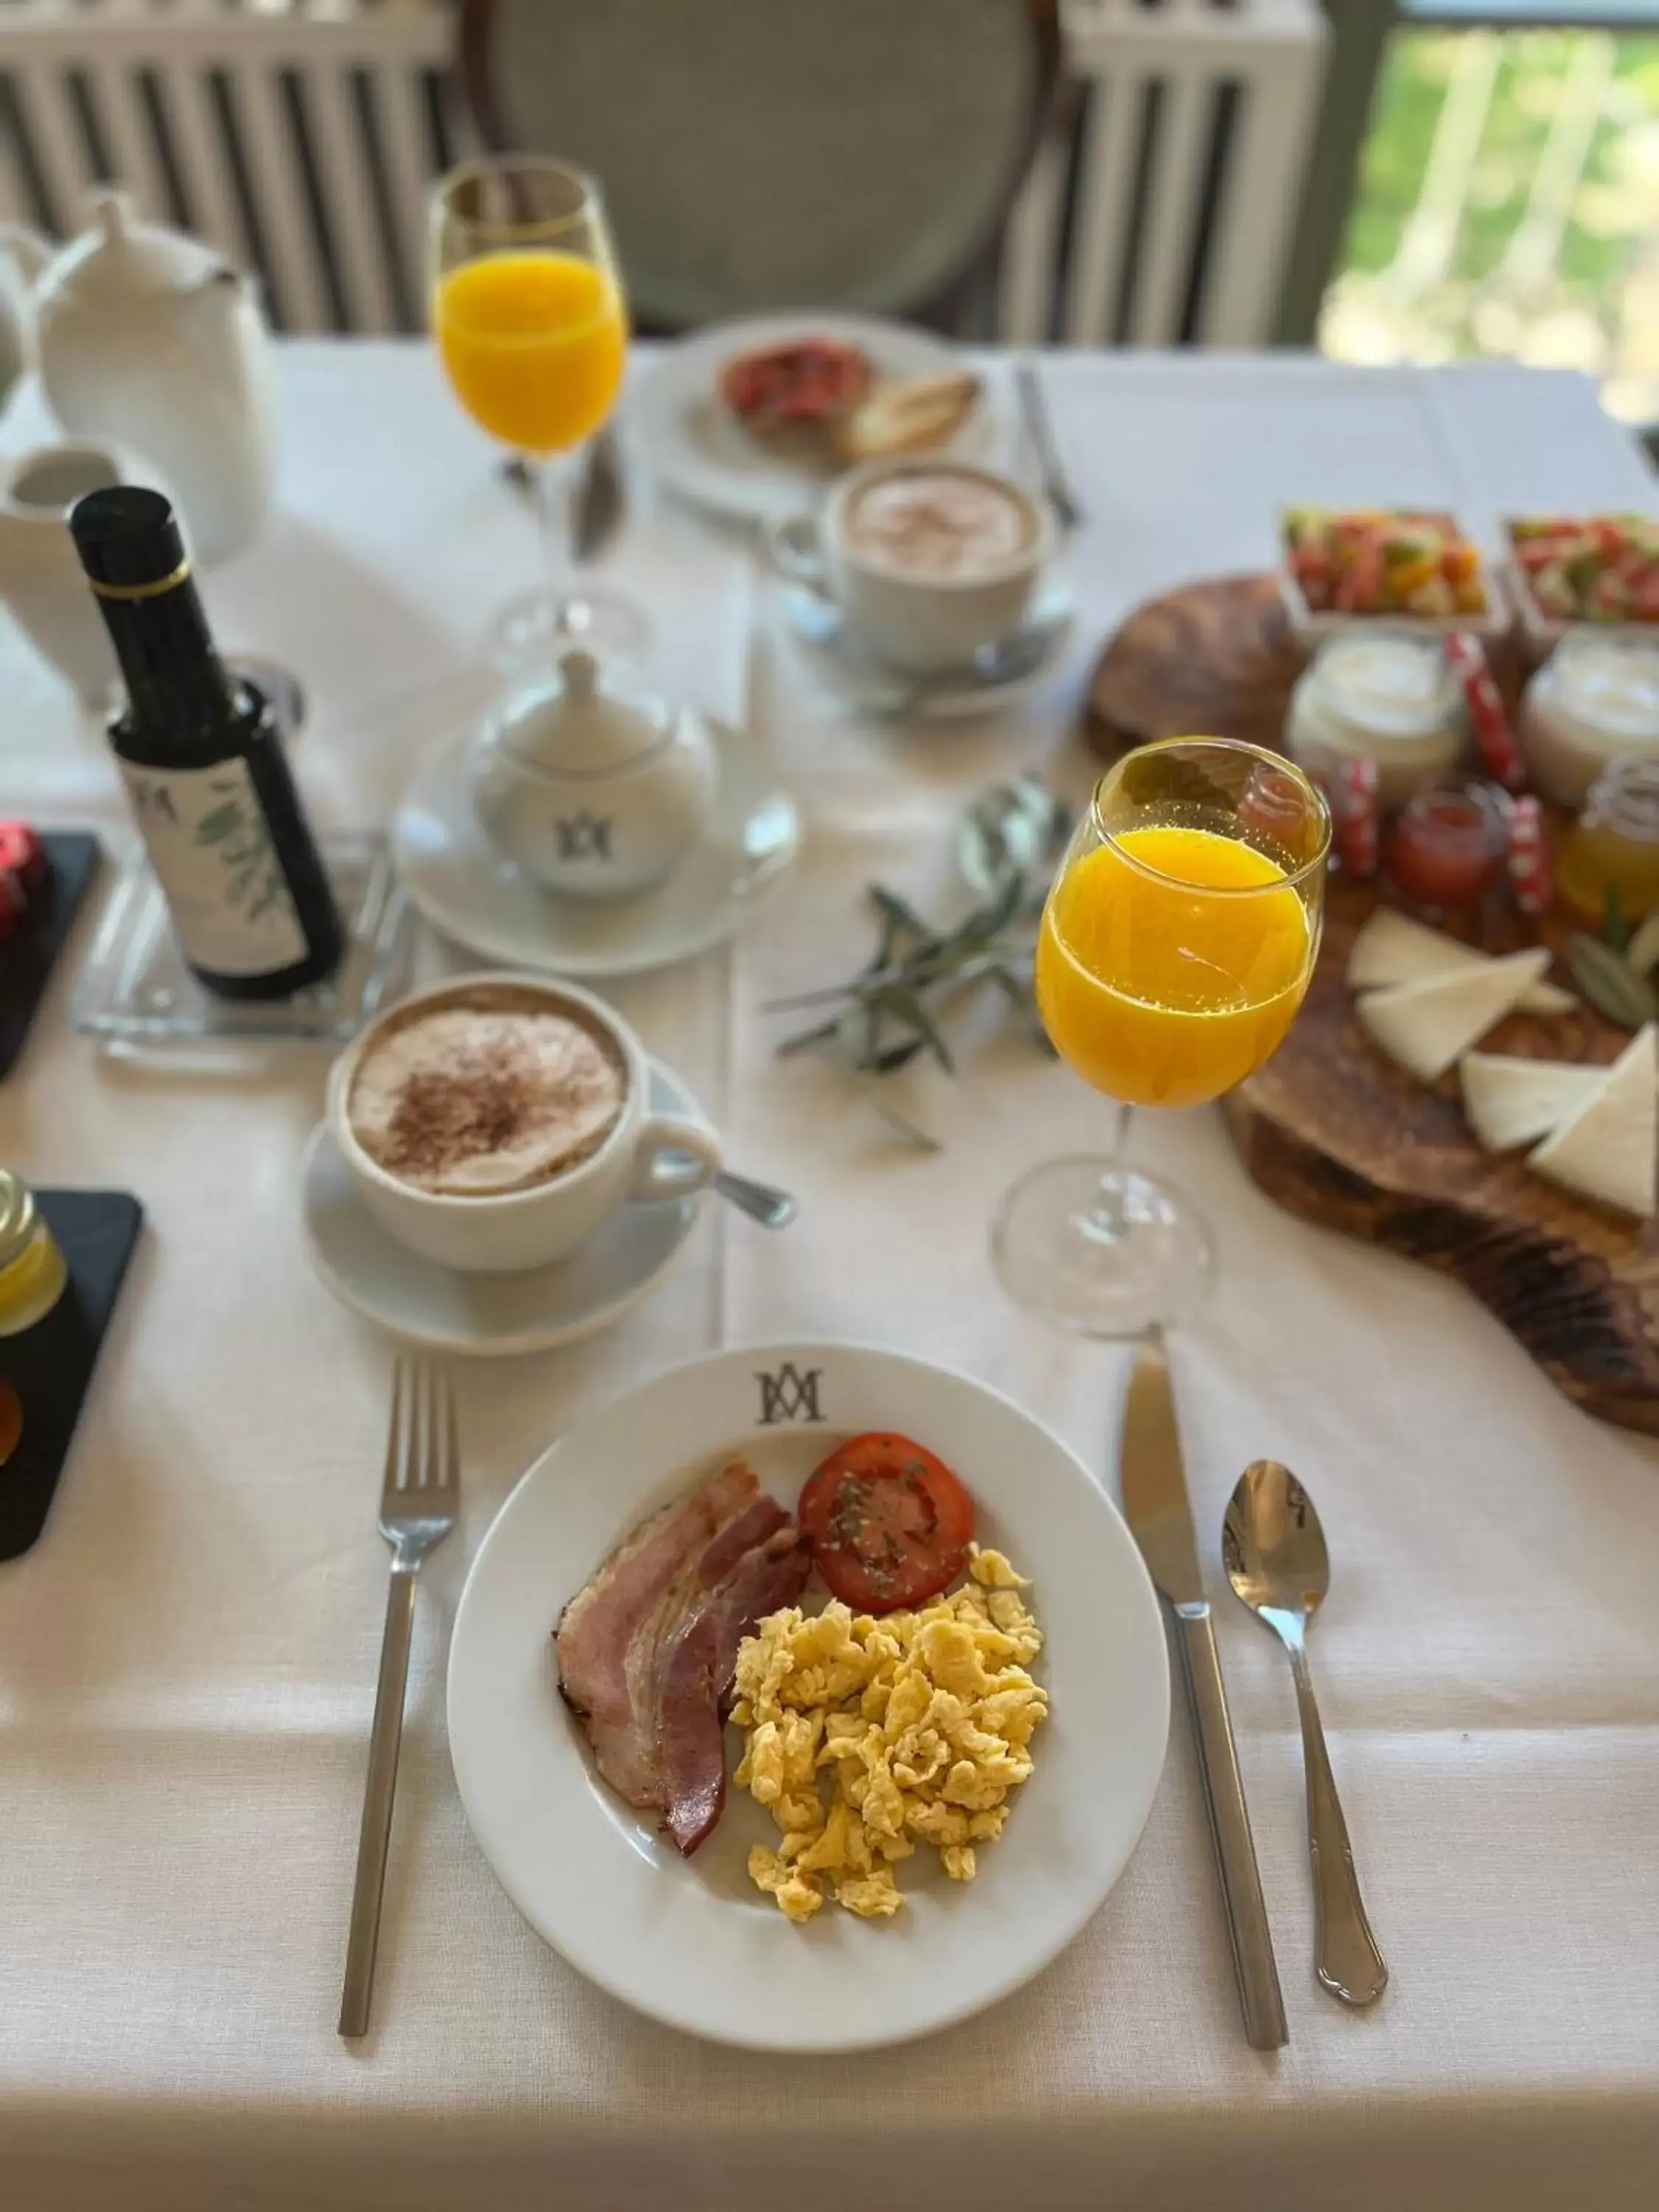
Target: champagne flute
(532, 327)
(1175, 947)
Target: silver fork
(419, 1503)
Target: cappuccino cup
(929, 561)
(495, 1122)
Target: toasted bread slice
(914, 416)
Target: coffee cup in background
(495, 1122)
(928, 561)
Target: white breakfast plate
(692, 1941)
(489, 1316)
(463, 887)
(695, 444)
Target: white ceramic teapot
(590, 788)
(148, 337)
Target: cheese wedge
(1427, 1026)
(1514, 1101)
(1609, 1148)
(1391, 948)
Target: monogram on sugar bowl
(590, 787)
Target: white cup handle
(794, 550)
(656, 1178)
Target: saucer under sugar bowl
(590, 787)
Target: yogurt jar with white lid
(1595, 701)
(1381, 694)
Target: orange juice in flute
(1175, 949)
(532, 329)
(533, 341)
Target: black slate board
(27, 960)
(50, 1365)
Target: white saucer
(489, 1317)
(460, 883)
(698, 448)
(1000, 675)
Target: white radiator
(1161, 209)
(302, 136)
(300, 139)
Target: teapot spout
(26, 249)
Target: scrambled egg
(923, 1721)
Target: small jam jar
(1444, 848)
(1385, 696)
(1615, 845)
(32, 1275)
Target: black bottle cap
(129, 541)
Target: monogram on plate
(789, 1395)
(584, 837)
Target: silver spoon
(772, 1209)
(1040, 429)
(1273, 1549)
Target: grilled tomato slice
(890, 1525)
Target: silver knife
(596, 508)
(1160, 1515)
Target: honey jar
(33, 1276)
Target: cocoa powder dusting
(480, 1105)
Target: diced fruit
(1598, 568)
(1365, 562)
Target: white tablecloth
(187, 1659)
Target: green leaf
(220, 823)
(1010, 826)
(906, 1005)
(804, 1040)
(984, 852)
(893, 1008)
(894, 1057)
(1615, 929)
(902, 1125)
(993, 919)
(1642, 953)
(897, 915)
(1017, 990)
(1609, 985)
(886, 942)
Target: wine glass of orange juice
(532, 327)
(1175, 949)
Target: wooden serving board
(1331, 1128)
(1216, 660)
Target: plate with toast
(747, 417)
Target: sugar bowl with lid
(592, 788)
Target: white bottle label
(210, 847)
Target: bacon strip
(646, 1650)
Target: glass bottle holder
(134, 988)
